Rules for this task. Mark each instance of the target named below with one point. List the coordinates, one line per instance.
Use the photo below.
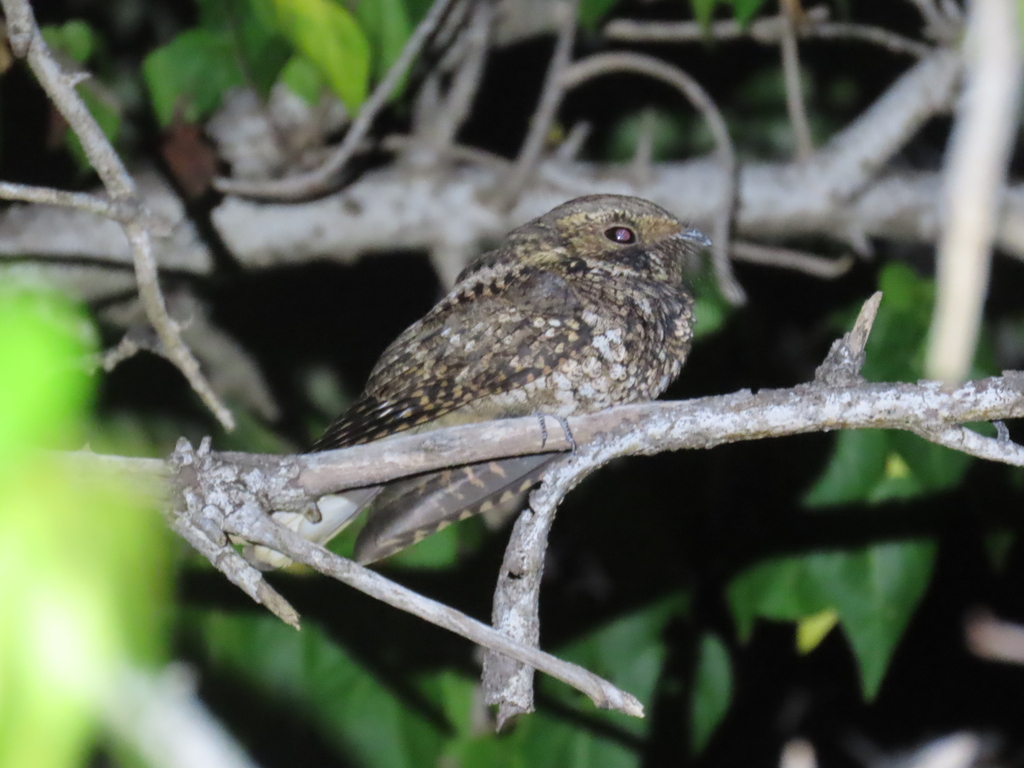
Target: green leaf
(780, 589)
(629, 652)
(591, 12)
(387, 27)
(856, 468)
(42, 337)
(745, 10)
(303, 78)
(83, 557)
(702, 10)
(669, 134)
(309, 671)
(74, 37)
(811, 630)
(190, 74)
(998, 544)
(260, 46)
(712, 690)
(439, 550)
(328, 35)
(874, 590)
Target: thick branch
(978, 154)
(769, 30)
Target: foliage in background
(381, 727)
(107, 589)
(83, 560)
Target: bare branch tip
(276, 604)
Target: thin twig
(572, 145)
(844, 360)
(994, 639)
(788, 258)
(608, 63)
(975, 172)
(123, 195)
(794, 82)
(767, 30)
(250, 521)
(326, 177)
(550, 98)
(849, 30)
(640, 166)
(83, 201)
(455, 109)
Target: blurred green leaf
(703, 9)
(667, 129)
(74, 37)
(629, 652)
(189, 75)
(439, 550)
(781, 589)
(369, 723)
(387, 27)
(260, 46)
(874, 590)
(811, 630)
(710, 314)
(712, 690)
(43, 389)
(856, 467)
(353, 708)
(303, 78)
(83, 560)
(743, 10)
(998, 544)
(592, 12)
(328, 36)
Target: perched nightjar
(582, 308)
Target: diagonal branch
(606, 63)
(27, 41)
(551, 96)
(326, 177)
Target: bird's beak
(694, 236)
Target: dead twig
(326, 177)
(601, 64)
(555, 86)
(125, 201)
(977, 157)
(793, 80)
(787, 258)
(766, 30)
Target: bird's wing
(488, 337)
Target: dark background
(641, 528)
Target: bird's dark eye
(622, 235)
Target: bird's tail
(407, 511)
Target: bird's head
(628, 232)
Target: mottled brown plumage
(580, 309)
